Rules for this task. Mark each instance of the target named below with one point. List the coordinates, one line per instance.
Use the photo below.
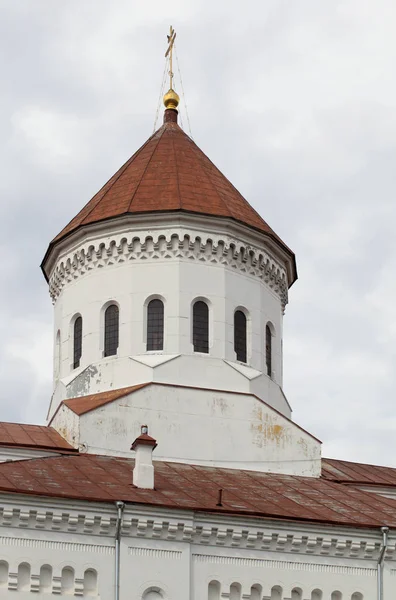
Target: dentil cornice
(222, 250)
(224, 532)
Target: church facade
(170, 467)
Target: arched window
(155, 325)
(67, 581)
(153, 593)
(45, 579)
(23, 584)
(201, 327)
(276, 592)
(111, 329)
(336, 595)
(3, 574)
(214, 590)
(235, 591)
(317, 595)
(90, 583)
(240, 335)
(256, 592)
(77, 342)
(268, 350)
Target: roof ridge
(148, 162)
(354, 462)
(177, 172)
(196, 147)
(24, 424)
(32, 458)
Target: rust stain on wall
(266, 430)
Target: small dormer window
(111, 330)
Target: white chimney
(143, 473)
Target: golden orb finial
(171, 99)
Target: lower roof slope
(182, 486)
(84, 404)
(357, 473)
(37, 437)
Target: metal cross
(171, 40)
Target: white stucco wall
(195, 262)
(198, 426)
(68, 425)
(178, 553)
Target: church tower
(169, 291)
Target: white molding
(153, 360)
(179, 244)
(244, 370)
(11, 453)
(151, 553)
(259, 563)
(216, 531)
(155, 222)
(55, 545)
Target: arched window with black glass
(201, 327)
(111, 330)
(77, 342)
(268, 350)
(240, 342)
(155, 325)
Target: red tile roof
(169, 173)
(182, 486)
(32, 436)
(356, 473)
(84, 404)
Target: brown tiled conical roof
(168, 173)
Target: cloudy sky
(295, 101)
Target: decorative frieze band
(224, 251)
(283, 565)
(253, 538)
(53, 545)
(155, 553)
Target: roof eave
(286, 251)
(225, 512)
